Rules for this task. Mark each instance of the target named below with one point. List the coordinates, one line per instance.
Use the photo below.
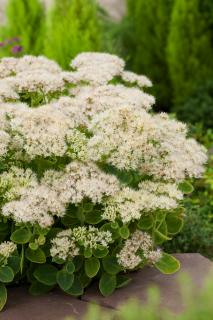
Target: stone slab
(194, 264)
(52, 306)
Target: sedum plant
(91, 180)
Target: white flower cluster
(33, 201)
(29, 74)
(129, 257)
(154, 145)
(79, 181)
(14, 181)
(67, 125)
(7, 248)
(129, 204)
(67, 243)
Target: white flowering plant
(91, 179)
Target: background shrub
(199, 106)
(72, 27)
(24, 27)
(150, 27)
(190, 49)
(197, 233)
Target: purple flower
(16, 39)
(2, 44)
(16, 49)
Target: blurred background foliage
(170, 41)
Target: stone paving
(56, 305)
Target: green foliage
(111, 265)
(174, 224)
(70, 267)
(122, 281)
(198, 107)
(76, 289)
(3, 296)
(72, 27)
(92, 266)
(197, 232)
(6, 274)
(147, 42)
(25, 20)
(46, 274)
(21, 236)
(36, 256)
(107, 284)
(168, 264)
(145, 222)
(38, 288)
(186, 187)
(64, 279)
(190, 49)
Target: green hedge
(190, 48)
(72, 27)
(198, 108)
(150, 27)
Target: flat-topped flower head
(97, 68)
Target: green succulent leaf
(87, 253)
(6, 274)
(21, 236)
(111, 265)
(46, 274)
(14, 263)
(93, 217)
(167, 264)
(64, 279)
(92, 266)
(70, 267)
(159, 237)
(3, 296)
(84, 279)
(174, 224)
(186, 187)
(122, 281)
(58, 260)
(76, 289)
(38, 288)
(78, 262)
(107, 284)
(100, 252)
(88, 207)
(33, 246)
(36, 256)
(145, 222)
(124, 232)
